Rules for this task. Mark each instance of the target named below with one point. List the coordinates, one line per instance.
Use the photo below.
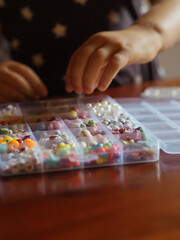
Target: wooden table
(126, 202)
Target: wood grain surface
(124, 202)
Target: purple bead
(116, 155)
(27, 136)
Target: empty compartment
(173, 117)
(149, 119)
(168, 136)
(157, 127)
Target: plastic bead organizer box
(86, 132)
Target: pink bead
(118, 147)
(57, 125)
(113, 148)
(83, 115)
(50, 126)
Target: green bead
(5, 131)
(108, 144)
(91, 123)
(88, 149)
(64, 152)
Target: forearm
(164, 19)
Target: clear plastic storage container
(83, 132)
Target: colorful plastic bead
(5, 131)
(3, 147)
(72, 114)
(29, 166)
(29, 143)
(13, 145)
(7, 138)
(51, 161)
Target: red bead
(19, 140)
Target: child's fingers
(31, 77)
(115, 64)
(17, 82)
(9, 93)
(4, 100)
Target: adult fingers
(115, 64)
(77, 65)
(97, 61)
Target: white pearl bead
(83, 144)
(89, 105)
(99, 104)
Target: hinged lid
(159, 116)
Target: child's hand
(104, 54)
(18, 82)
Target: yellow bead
(62, 145)
(15, 138)
(67, 147)
(7, 138)
(100, 161)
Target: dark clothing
(44, 34)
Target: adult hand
(103, 55)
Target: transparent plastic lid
(161, 117)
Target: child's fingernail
(88, 90)
(78, 90)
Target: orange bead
(29, 143)
(13, 145)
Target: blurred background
(170, 59)
(170, 62)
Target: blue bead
(41, 127)
(104, 155)
(100, 145)
(3, 148)
(95, 146)
(51, 162)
